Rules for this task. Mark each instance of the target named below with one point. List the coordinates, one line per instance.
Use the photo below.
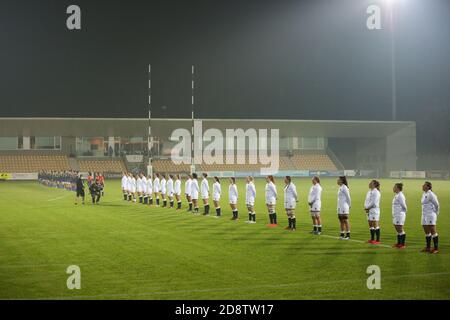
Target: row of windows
(30, 143)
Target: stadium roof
(128, 127)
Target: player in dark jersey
(96, 192)
(79, 189)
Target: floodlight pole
(393, 71)
(149, 136)
(192, 169)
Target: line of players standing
(167, 188)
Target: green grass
(128, 251)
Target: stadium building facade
(112, 145)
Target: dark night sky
(254, 59)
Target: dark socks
(274, 218)
(171, 203)
(218, 212)
(151, 200)
(206, 209)
(140, 199)
(157, 201)
(124, 196)
(190, 206)
(377, 233)
(179, 205)
(372, 234)
(436, 241)
(164, 203)
(428, 240)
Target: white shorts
(216, 197)
(170, 194)
(139, 189)
(373, 216)
(233, 200)
(205, 196)
(315, 207)
(429, 219)
(194, 196)
(149, 191)
(156, 190)
(271, 201)
(133, 190)
(399, 219)
(250, 202)
(289, 205)
(343, 211)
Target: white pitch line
(58, 198)
(354, 240)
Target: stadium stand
(312, 161)
(33, 163)
(166, 165)
(297, 161)
(102, 165)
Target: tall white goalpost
(192, 167)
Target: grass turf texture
(130, 251)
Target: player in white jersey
(156, 188)
(150, 189)
(163, 190)
(290, 202)
(344, 203)
(271, 200)
(188, 191)
(139, 187)
(430, 212)
(233, 198)
(133, 187)
(170, 190)
(372, 209)
(144, 189)
(130, 187)
(204, 188)
(315, 204)
(399, 215)
(217, 190)
(124, 186)
(177, 190)
(195, 192)
(250, 196)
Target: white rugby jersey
(130, 183)
(217, 190)
(170, 186)
(144, 184)
(290, 194)
(205, 187)
(250, 192)
(344, 201)
(315, 195)
(399, 204)
(163, 185)
(187, 186)
(124, 182)
(232, 192)
(194, 189)
(430, 203)
(271, 191)
(372, 201)
(139, 184)
(149, 185)
(177, 186)
(156, 184)
(133, 183)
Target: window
(9, 143)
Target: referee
(79, 189)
